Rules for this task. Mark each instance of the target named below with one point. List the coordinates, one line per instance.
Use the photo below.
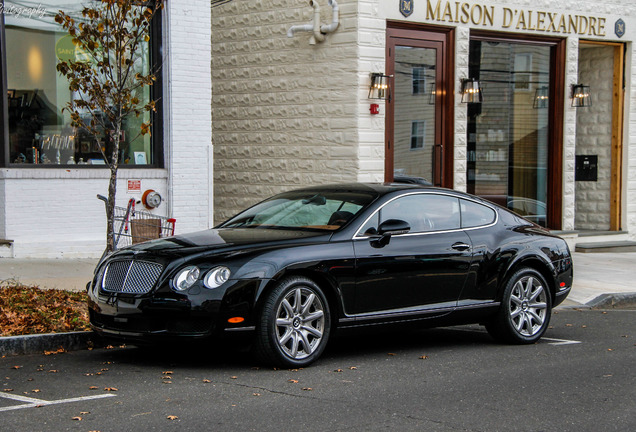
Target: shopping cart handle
(102, 197)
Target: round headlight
(186, 277)
(216, 277)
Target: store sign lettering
(515, 19)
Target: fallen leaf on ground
(424, 357)
(206, 381)
(256, 394)
(353, 367)
(167, 372)
(391, 354)
(307, 388)
(172, 417)
(110, 389)
(77, 418)
(338, 370)
(92, 388)
(295, 381)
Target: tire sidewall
(268, 318)
(511, 331)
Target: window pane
(474, 215)
(508, 133)
(40, 131)
(423, 212)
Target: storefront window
(38, 129)
(508, 134)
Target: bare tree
(108, 79)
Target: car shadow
(222, 355)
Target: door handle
(460, 246)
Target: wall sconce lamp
(541, 98)
(379, 88)
(581, 96)
(471, 91)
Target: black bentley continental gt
(293, 268)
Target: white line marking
(560, 341)
(32, 402)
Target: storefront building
(550, 132)
(50, 173)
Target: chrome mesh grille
(131, 277)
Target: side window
(423, 212)
(474, 214)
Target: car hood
(225, 239)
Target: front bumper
(164, 314)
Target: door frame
(444, 102)
(618, 106)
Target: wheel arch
(536, 263)
(328, 286)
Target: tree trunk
(113, 164)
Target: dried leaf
(167, 372)
(391, 354)
(233, 377)
(424, 357)
(113, 389)
(295, 381)
(338, 370)
(77, 418)
(307, 388)
(353, 367)
(93, 388)
(172, 417)
(256, 394)
(206, 381)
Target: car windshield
(316, 210)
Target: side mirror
(388, 228)
(393, 227)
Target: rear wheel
(294, 325)
(525, 311)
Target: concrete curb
(38, 343)
(613, 301)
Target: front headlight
(186, 277)
(216, 277)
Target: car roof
(377, 188)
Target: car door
(425, 268)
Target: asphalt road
(580, 377)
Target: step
(607, 246)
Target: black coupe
(293, 268)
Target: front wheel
(294, 324)
(525, 311)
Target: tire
(525, 310)
(294, 325)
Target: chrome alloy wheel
(528, 306)
(300, 322)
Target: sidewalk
(595, 275)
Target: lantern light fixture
(379, 88)
(471, 91)
(581, 96)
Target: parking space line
(560, 341)
(33, 402)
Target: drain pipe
(318, 30)
(317, 37)
(335, 21)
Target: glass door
(508, 134)
(415, 113)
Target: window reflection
(40, 131)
